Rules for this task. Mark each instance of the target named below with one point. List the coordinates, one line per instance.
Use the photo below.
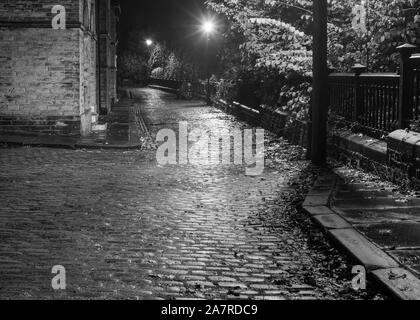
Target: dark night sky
(174, 21)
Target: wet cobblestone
(126, 228)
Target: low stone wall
(394, 159)
(400, 165)
(280, 123)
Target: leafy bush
(226, 90)
(295, 100)
(158, 73)
(133, 67)
(275, 44)
(174, 63)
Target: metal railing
(185, 88)
(378, 103)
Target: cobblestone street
(125, 227)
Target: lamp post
(208, 28)
(320, 99)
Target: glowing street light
(208, 27)
(149, 42)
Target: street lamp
(320, 83)
(208, 27)
(149, 42)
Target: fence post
(404, 110)
(358, 69)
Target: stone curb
(73, 146)
(139, 122)
(380, 267)
(108, 147)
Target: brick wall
(39, 71)
(46, 73)
(28, 12)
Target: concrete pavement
(375, 222)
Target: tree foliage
(133, 61)
(133, 67)
(138, 61)
(275, 37)
(174, 64)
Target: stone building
(56, 80)
(108, 55)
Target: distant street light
(208, 27)
(149, 42)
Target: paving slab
(321, 193)
(409, 258)
(363, 250)
(313, 201)
(377, 203)
(378, 227)
(363, 194)
(321, 188)
(401, 282)
(313, 211)
(332, 221)
(326, 180)
(366, 216)
(393, 234)
(358, 186)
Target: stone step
(61, 125)
(28, 127)
(34, 118)
(37, 123)
(47, 129)
(376, 203)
